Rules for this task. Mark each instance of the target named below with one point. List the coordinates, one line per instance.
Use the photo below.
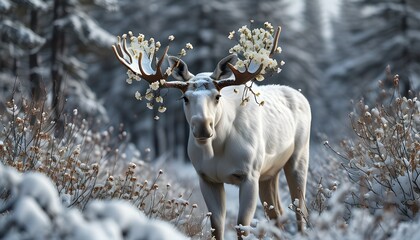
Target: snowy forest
(82, 158)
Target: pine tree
(20, 43)
(313, 30)
(387, 33)
(55, 37)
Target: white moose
(242, 145)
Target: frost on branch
(256, 47)
(21, 36)
(384, 158)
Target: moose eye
(218, 97)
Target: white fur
(248, 147)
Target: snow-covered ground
(30, 208)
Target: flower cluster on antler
(255, 49)
(138, 57)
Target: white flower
(162, 109)
(157, 45)
(132, 76)
(138, 95)
(149, 105)
(156, 117)
(268, 25)
(260, 77)
(149, 96)
(159, 99)
(171, 38)
(163, 81)
(231, 34)
(282, 63)
(154, 85)
(243, 29)
(183, 52)
(189, 46)
(240, 64)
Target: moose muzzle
(202, 128)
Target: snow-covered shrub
(87, 164)
(31, 209)
(384, 158)
(332, 223)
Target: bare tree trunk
(57, 47)
(35, 78)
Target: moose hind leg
(296, 170)
(269, 193)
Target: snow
(5, 5)
(21, 36)
(29, 216)
(33, 210)
(40, 190)
(38, 5)
(88, 31)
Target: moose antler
(245, 76)
(143, 65)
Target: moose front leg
(214, 196)
(248, 195)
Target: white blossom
(183, 52)
(138, 96)
(154, 85)
(159, 99)
(162, 109)
(260, 77)
(231, 34)
(255, 45)
(189, 46)
(149, 95)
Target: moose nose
(202, 127)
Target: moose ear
(180, 71)
(222, 70)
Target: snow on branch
(33, 4)
(31, 208)
(110, 5)
(18, 34)
(5, 5)
(87, 30)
